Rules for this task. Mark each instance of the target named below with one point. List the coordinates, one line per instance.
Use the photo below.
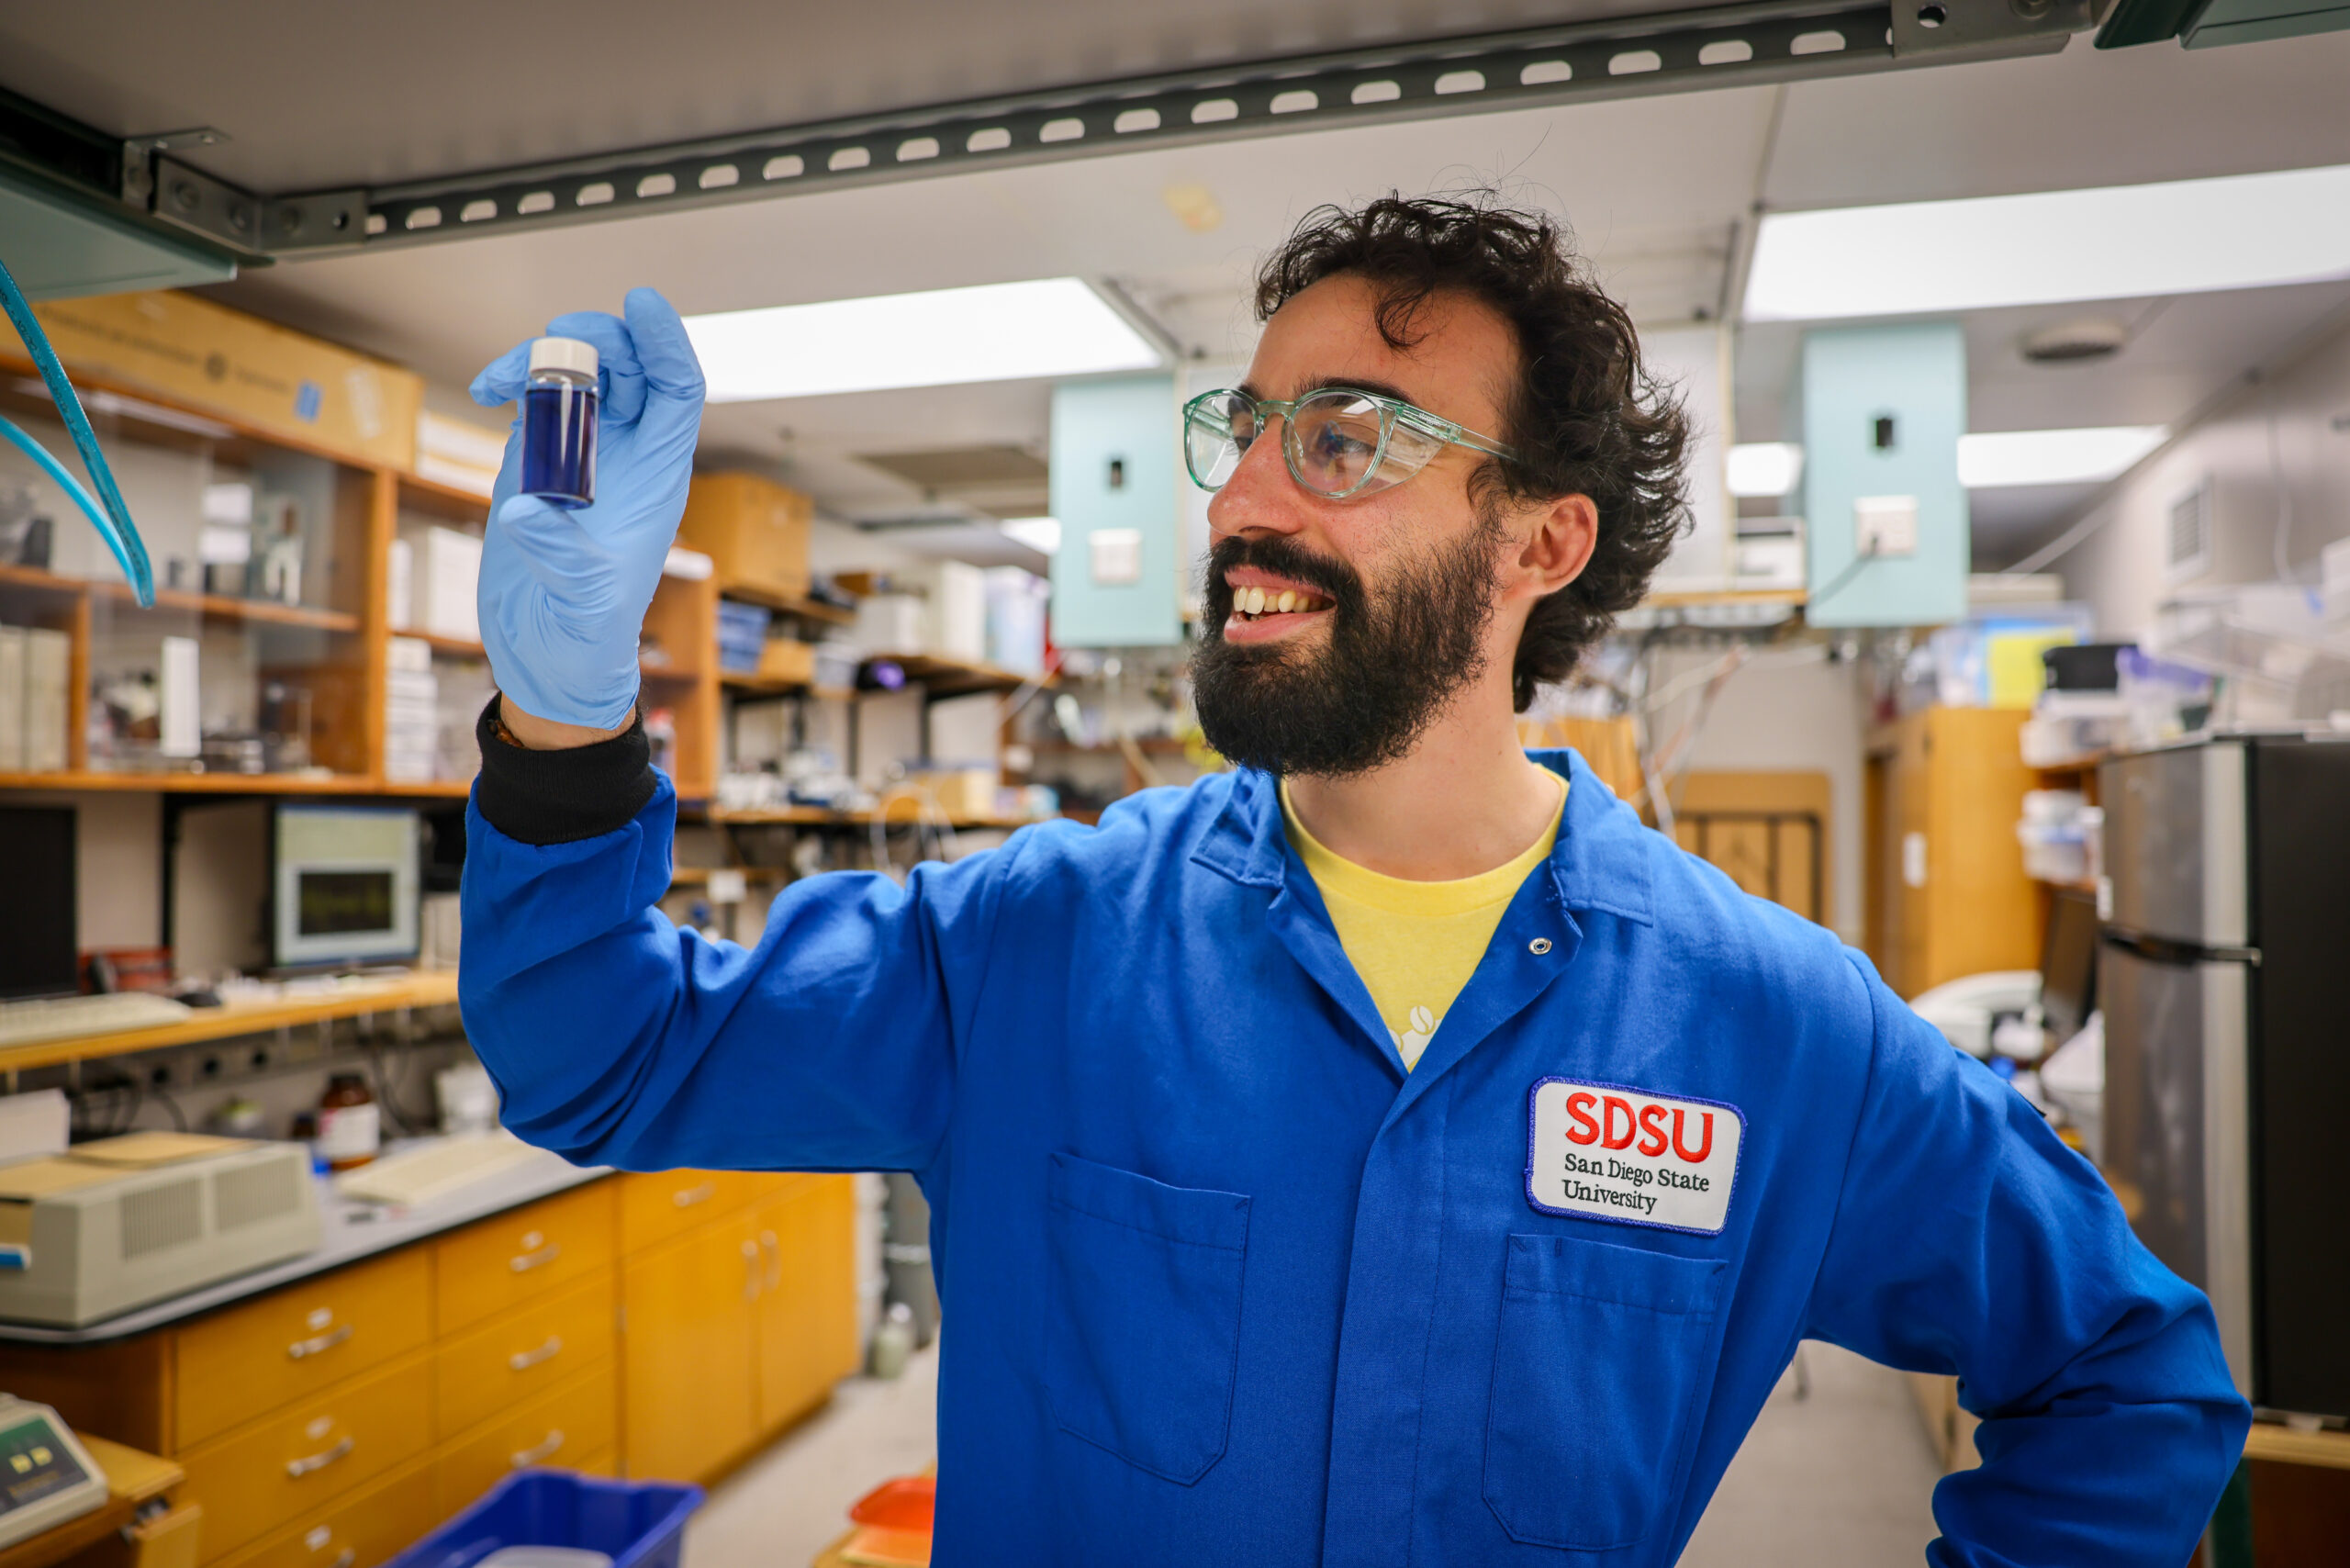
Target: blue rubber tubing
(113, 523)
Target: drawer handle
(687, 1197)
(523, 1360)
(346, 1558)
(523, 1262)
(750, 1270)
(539, 1450)
(317, 1344)
(774, 1251)
(297, 1468)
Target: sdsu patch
(1603, 1151)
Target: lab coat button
(1539, 947)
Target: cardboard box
(261, 375)
(961, 792)
(756, 530)
(783, 659)
(460, 455)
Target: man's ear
(1558, 547)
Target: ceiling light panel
(1997, 459)
(1001, 331)
(2111, 242)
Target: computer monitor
(342, 885)
(2068, 964)
(38, 916)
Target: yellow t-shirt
(1415, 944)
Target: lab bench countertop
(353, 1231)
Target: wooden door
(807, 1307)
(686, 1394)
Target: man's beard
(1385, 670)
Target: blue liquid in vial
(559, 443)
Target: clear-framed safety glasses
(1339, 441)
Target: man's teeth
(1254, 602)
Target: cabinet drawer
(660, 1205)
(311, 1454)
(575, 1421)
(524, 1353)
(293, 1342)
(512, 1257)
(371, 1526)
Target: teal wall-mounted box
(59, 247)
(1882, 409)
(1114, 468)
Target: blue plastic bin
(638, 1524)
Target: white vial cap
(563, 353)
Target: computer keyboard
(62, 1017)
(419, 1175)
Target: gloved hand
(563, 593)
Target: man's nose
(1261, 496)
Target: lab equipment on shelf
(559, 422)
(49, 1476)
(39, 1018)
(118, 1223)
(423, 1171)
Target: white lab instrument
(434, 1170)
(121, 1222)
(1964, 1010)
(46, 1476)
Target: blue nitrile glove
(563, 593)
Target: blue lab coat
(1224, 1284)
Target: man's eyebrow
(1323, 383)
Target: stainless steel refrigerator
(2225, 976)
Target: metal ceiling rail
(1773, 40)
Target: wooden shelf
(1723, 596)
(457, 647)
(446, 500)
(1150, 745)
(2271, 1440)
(424, 989)
(211, 606)
(697, 875)
(953, 677)
(2069, 884)
(820, 816)
(203, 783)
(789, 604)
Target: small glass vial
(559, 422)
(350, 1128)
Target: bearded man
(1388, 1152)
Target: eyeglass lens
(1331, 442)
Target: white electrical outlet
(1117, 555)
(1884, 525)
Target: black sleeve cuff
(561, 796)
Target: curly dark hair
(1585, 416)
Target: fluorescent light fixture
(2109, 242)
(997, 331)
(1764, 468)
(2090, 456)
(1042, 534)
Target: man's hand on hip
(563, 592)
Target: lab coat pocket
(1143, 1325)
(1603, 1360)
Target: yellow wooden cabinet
(806, 1325)
(526, 1352)
(332, 1422)
(685, 1315)
(371, 1524)
(510, 1259)
(568, 1423)
(1947, 895)
(293, 1343)
(258, 1477)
